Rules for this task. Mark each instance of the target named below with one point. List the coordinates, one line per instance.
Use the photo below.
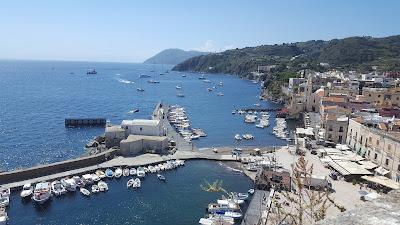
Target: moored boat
(140, 172)
(85, 191)
(132, 172)
(102, 186)
(125, 172)
(27, 190)
(161, 177)
(42, 192)
(4, 201)
(118, 172)
(109, 173)
(58, 188)
(100, 174)
(136, 183)
(3, 216)
(95, 189)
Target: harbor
(185, 135)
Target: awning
(384, 181)
(382, 171)
(368, 165)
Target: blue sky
(131, 31)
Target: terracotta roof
(334, 99)
(382, 126)
(358, 119)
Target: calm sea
(36, 97)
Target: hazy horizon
(125, 31)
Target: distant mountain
(357, 53)
(173, 56)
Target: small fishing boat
(184, 75)
(221, 84)
(144, 76)
(69, 184)
(202, 77)
(5, 192)
(227, 201)
(207, 81)
(109, 173)
(42, 192)
(160, 177)
(139, 89)
(238, 137)
(140, 172)
(118, 173)
(95, 189)
(181, 95)
(157, 168)
(233, 112)
(220, 94)
(209, 89)
(251, 191)
(136, 183)
(3, 216)
(100, 174)
(27, 190)
(125, 172)
(161, 166)
(57, 188)
(4, 201)
(132, 172)
(130, 183)
(146, 170)
(78, 181)
(178, 87)
(85, 191)
(257, 104)
(95, 178)
(242, 196)
(87, 179)
(102, 186)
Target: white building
(136, 144)
(143, 127)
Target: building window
(340, 129)
(377, 142)
(379, 96)
(141, 128)
(330, 128)
(375, 156)
(329, 136)
(398, 167)
(370, 139)
(368, 152)
(340, 139)
(387, 162)
(369, 95)
(389, 147)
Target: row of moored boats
(226, 210)
(179, 120)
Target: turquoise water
(36, 97)
(178, 201)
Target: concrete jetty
(74, 122)
(257, 205)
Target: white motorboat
(139, 89)
(5, 192)
(3, 216)
(136, 183)
(234, 215)
(209, 89)
(87, 179)
(257, 104)
(118, 173)
(100, 174)
(180, 95)
(130, 183)
(42, 192)
(57, 188)
(227, 201)
(4, 201)
(213, 207)
(95, 178)
(132, 172)
(140, 172)
(27, 190)
(184, 75)
(221, 84)
(161, 166)
(251, 191)
(125, 172)
(249, 118)
(242, 196)
(102, 186)
(95, 189)
(157, 168)
(220, 94)
(69, 184)
(178, 87)
(146, 169)
(160, 177)
(207, 81)
(85, 191)
(238, 137)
